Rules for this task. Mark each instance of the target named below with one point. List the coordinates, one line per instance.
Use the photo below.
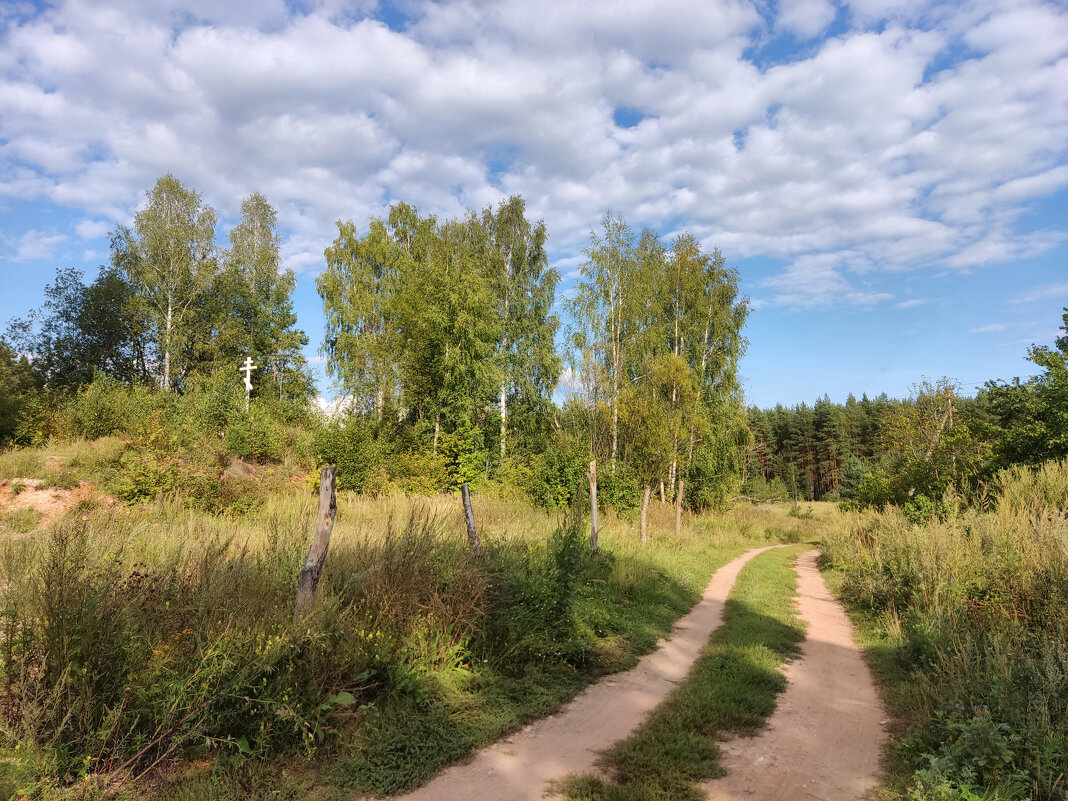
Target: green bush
(352, 445)
(557, 475)
(620, 489)
(255, 436)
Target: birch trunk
(167, 346)
(592, 476)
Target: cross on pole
(247, 369)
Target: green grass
(160, 626)
(623, 605)
(730, 690)
(964, 625)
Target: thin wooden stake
(678, 508)
(645, 509)
(469, 516)
(592, 476)
(324, 527)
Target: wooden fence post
(592, 476)
(678, 509)
(324, 527)
(469, 517)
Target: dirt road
(825, 738)
(519, 767)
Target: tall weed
(982, 599)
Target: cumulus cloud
(92, 229)
(879, 149)
(35, 245)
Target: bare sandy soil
(826, 735)
(518, 767)
(48, 502)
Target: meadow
(149, 646)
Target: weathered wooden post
(678, 509)
(469, 517)
(592, 476)
(324, 527)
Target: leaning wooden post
(324, 527)
(469, 516)
(592, 476)
(678, 509)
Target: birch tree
(523, 286)
(603, 313)
(358, 290)
(169, 258)
(264, 298)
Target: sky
(889, 177)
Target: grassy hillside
(147, 639)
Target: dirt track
(825, 738)
(823, 742)
(518, 767)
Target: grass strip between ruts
(731, 689)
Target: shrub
(255, 436)
(558, 474)
(351, 445)
(620, 489)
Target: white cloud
(912, 303)
(1041, 292)
(806, 18)
(92, 229)
(817, 280)
(993, 328)
(854, 151)
(35, 245)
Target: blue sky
(890, 177)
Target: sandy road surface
(518, 767)
(825, 738)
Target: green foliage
(619, 490)
(558, 474)
(760, 490)
(977, 598)
(351, 444)
(464, 453)
(17, 394)
(82, 330)
(255, 436)
(1032, 415)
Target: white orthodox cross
(247, 369)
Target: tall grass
(136, 636)
(974, 608)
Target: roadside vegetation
(966, 620)
(135, 635)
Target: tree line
(443, 335)
(172, 305)
(445, 338)
(910, 451)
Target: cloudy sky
(890, 177)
